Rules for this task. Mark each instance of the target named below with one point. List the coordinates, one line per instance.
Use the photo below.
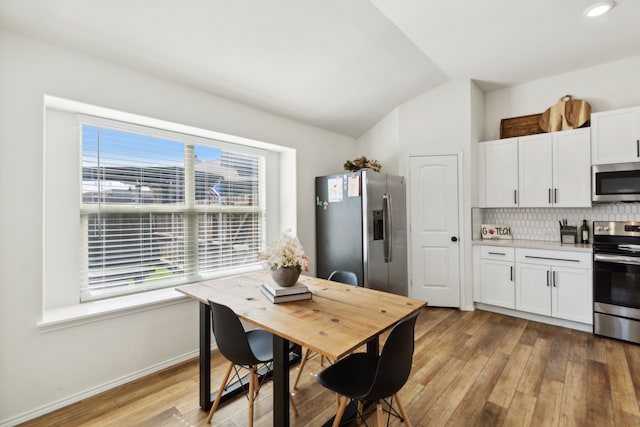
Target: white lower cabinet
(555, 283)
(497, 275)
(572, 295)
(534, 293)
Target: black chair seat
(348, 277)
(261, 344)
(352, 376)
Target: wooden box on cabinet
(520, 126)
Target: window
(160, 208)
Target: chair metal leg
(402, 411)
(301, 367)
(219, 394)
(343, 405)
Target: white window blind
(161, 208)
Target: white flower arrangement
(286, 252)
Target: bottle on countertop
(584, 232)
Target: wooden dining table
(338, 319)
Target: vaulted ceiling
(337, 64)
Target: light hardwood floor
(469, 369)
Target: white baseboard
(537, 318)
(50, 407)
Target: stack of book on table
(276, 293)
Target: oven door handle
(616, 259)
(629, 248)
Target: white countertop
(535, 244)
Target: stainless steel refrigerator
(361, 226)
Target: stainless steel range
(616, 280)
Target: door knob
(454, 239)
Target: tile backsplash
(542, 223)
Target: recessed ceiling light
(599, 8)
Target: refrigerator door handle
(386, 203)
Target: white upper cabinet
(572, 168)
(544, 170)
(615, 136)
(535, 170)
(500, 173)
(555, 169)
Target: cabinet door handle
(555, 195)
(515, 197)
(554, 259)
(554, 280)
(511, 272)
(637, 147)
(548, 277)
(497, 253)
(549, 196)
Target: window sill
(88, 312)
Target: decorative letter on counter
(496, 231)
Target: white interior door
(435, 254)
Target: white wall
(43, 370)
(605, 87)
(382, 142)
(436, 122)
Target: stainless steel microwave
(617, 182)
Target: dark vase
(285, 276)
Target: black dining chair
(365, 377)
(347, 277)
(246, 349)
